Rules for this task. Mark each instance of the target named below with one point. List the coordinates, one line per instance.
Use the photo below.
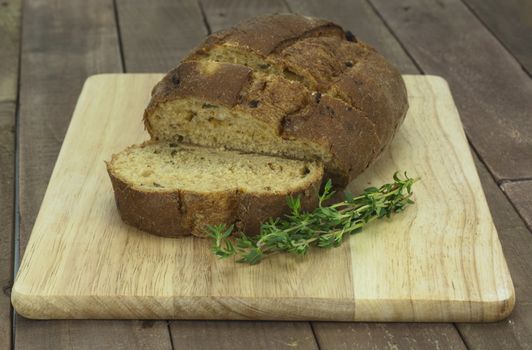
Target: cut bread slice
(175, 189)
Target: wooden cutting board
(440, 260)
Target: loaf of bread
(288, 90)
(284, 85)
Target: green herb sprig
(324, 227)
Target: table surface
(47, 49)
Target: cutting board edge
(281, 309)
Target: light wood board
(440, 260)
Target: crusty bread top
(209, 82)
(324, 58)
(266, 34)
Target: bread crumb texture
(166, 167)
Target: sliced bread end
(176, 190)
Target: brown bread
(284, 86)
(307, 88)
(176, 190)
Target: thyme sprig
(324, 227)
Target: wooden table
(48, 48)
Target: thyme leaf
(327, 226)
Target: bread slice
(284, 85)
(175, 190)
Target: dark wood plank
(489, 87)
(351, 336)
(520, 194)
(511, 22)
(511, 334)
(242, 335)
(64, 42)
(359, 18)
(156, 34)
(93, 334)
(9, 63)
(180, 27)
(516, 331)
(7, 191)
(225, 13)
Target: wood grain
(353, 336)
(9, 44)
(222, 14)
(431, 267)
(457, 199)
(516, 331)
(359, 18)
(63, 43)
(511, 22)
(90, 334)
(231, 335)
(156, 34)
(491, 90)
(520, 194)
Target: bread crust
(176, 213)
(268, 34)
(365, 96)
(324, 87)
(345, 131)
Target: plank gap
(119, 37)
(445, 39)
(168, 325)
(519, 195)
(505, 181)
(287, 5)
(488, 28)
(459, 332)
(311, 324)
(392, 33)
(204, 17)
(10, 37)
